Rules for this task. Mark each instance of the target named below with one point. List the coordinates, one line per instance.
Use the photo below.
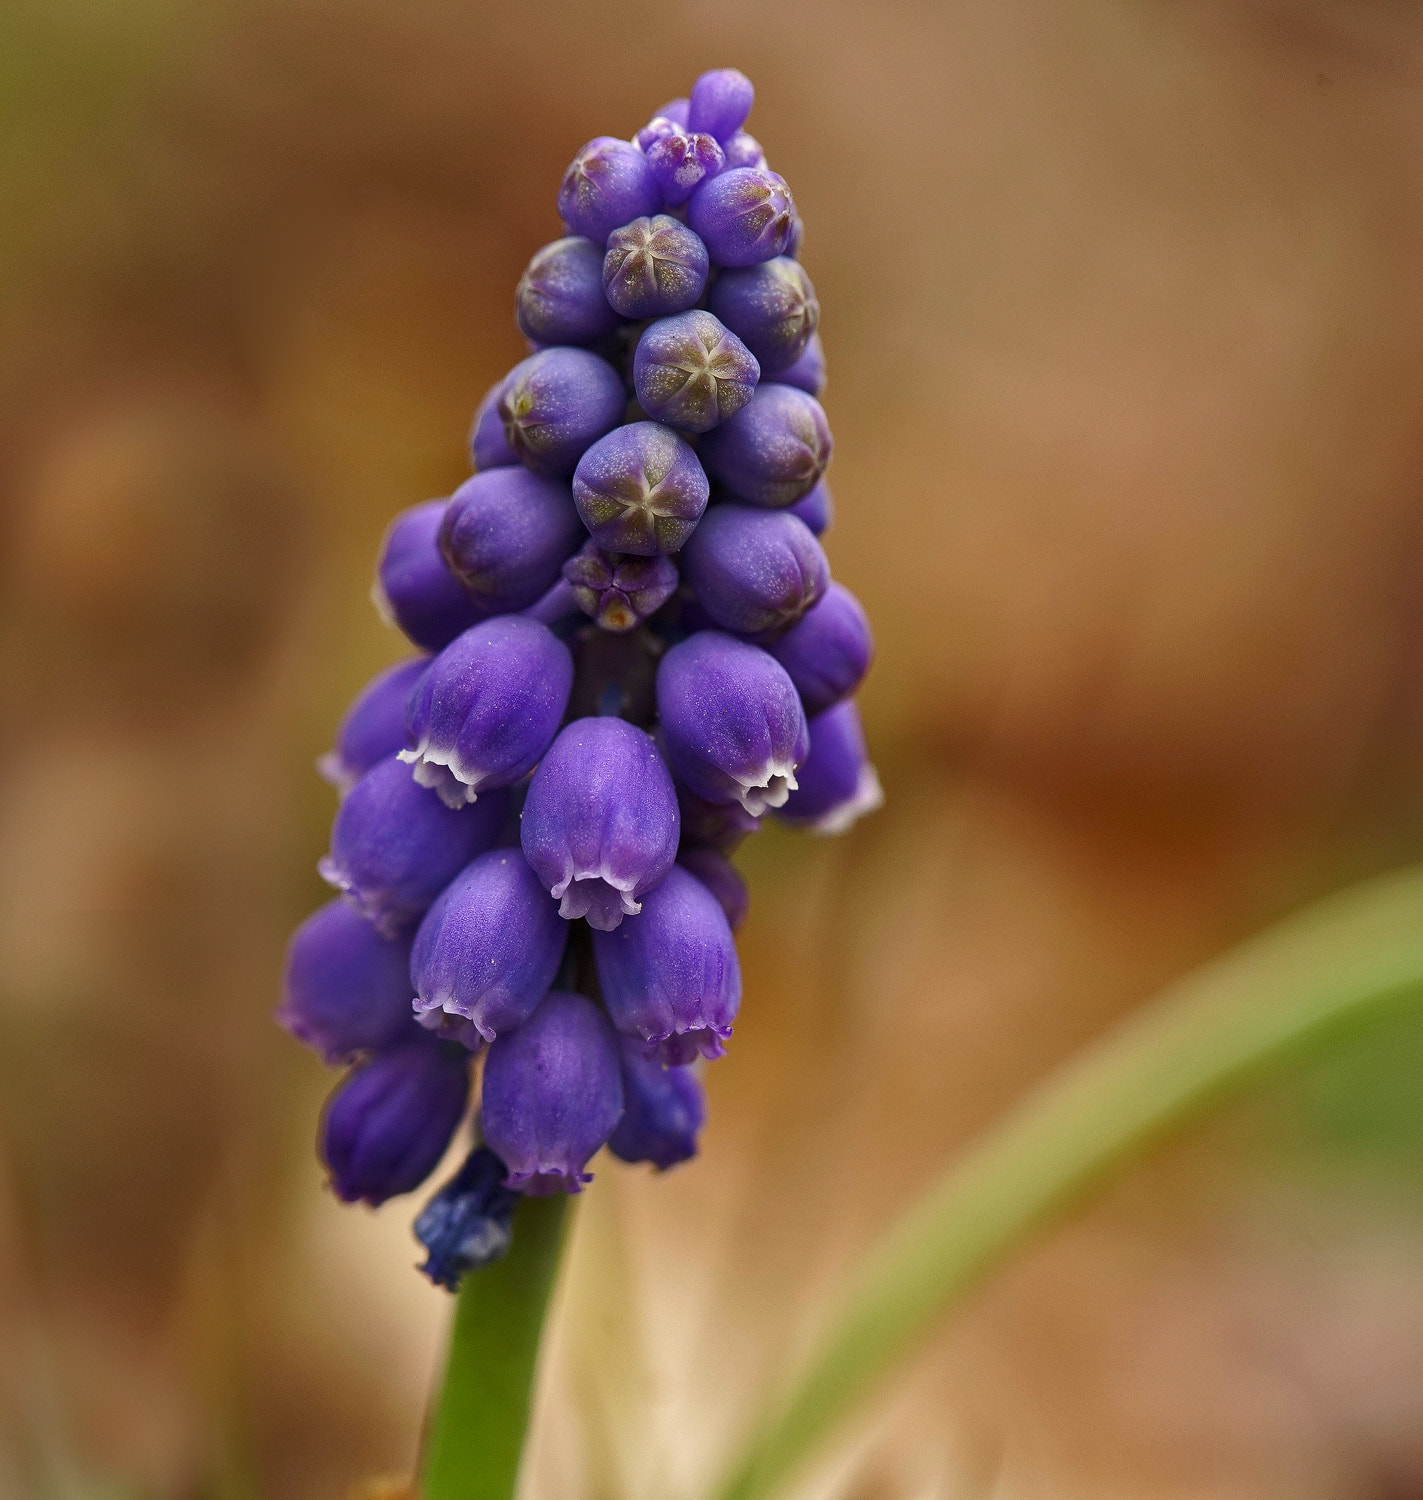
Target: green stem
(476, 1433)
(1325, 969)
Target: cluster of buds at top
(633, 652)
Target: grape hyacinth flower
(635, 653)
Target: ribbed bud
(560, 298)
(654, 268)
(772, 452)
(552, 1094)
(557, 402)
(488, 707)
(771, 308)
(607, 184)
(414, 589)
(743, 216)
(618, 591)
(731, 721)
(489, 947)
(387, 1124)
(640, 489)
(693, 373)
(466, 1224)
(663, 1110)
(828, 653)
(754, 571)
(671, 977)
(720, 101)
(681, 161)
(600, 823)
(719, 875)
(373, 726)
(838, 785)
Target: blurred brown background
(1124, 313)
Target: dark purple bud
(742, 150)
(395, 846)
(555, 403)
(489, 947)
(713, 825)
(771, 308)
(488, 447)
(640, 489)
(654, 268)
(671, 978)
(600, 823)
(388, 1123)
(663, 1109)
(414, 589)
(560, 296)
(488, 707)
(743, 216)
(808, 372)
(828, 653)
(720, 101)
(754, 571)
(466, 1224)
(731, 720)
(618, 591)
(692, 372)
(608, 183)
(553, 1094)
(374, 725)
(817, 509)
(719, 875)
(505, 536)
(681, 161)
(346, 989)
(773, 450)
(838, 785)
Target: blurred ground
(1125, 324)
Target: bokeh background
(1123, 302)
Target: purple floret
(663, 1110)
(414, 589)
(608, 183)
(373, 726)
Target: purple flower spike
(608, 183)
(414, 589)
(557, 402)
(742, 150)
(808, 372)
(681, 161)
(505, 535)
(560, 298)
(754, 571)
(488, 708)
(654, 268)
(553, 1094)
(374, 725)
(488, 447)
(771, 308)
(743, 216)
(640, 489)
(692, 372)
(616, 591)
(671, 978)
(388, 1124)
(719, 875)
(395, 846)
(489, 947)
(828, 653)
(466, 1224)
(346, 988)
(713, 825)
(720, 101)
(732, 721)
(600, 823)
(773, 450)
(838, 785)
(817, 509)
(663, 1109)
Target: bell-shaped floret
(374, 725)
(663, 1110)
(838, 785)
(414, 589)
(829, 651)
(720, 876)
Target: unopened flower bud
(346, 989)
(720, 101)
(808, 372)
(560, 298)
(838, 785)
(557, 402)
(829, 651)
(388, 1124)
(488, 708)
(490, 946)
(681, 161)
(619, 591)
(671, 977)
(742, 150)
(663, 1110)
(608, 183)
(754, 571)
(395, 846)
(374, 725)
(488, 447)
(731, 720)
(654, 268)
(414, 588)
(720, 876)
(600, 823)
(640, 489)
(693, 373)
(817, 509)
(743, 216)
(466, 1224)
(771, 308)
(772, 452)
(552, 1094)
